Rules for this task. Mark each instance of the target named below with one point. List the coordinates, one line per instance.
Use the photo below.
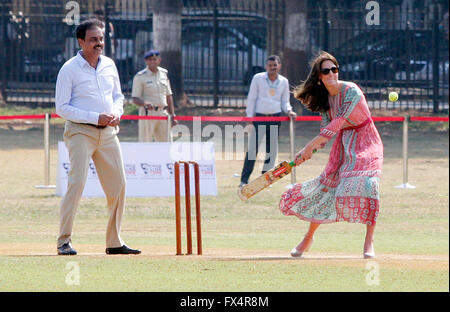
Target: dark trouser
(269, 129)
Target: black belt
(155, 108)
(95, 126)
(267, 115)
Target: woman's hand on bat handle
(304, 154)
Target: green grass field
(246, 245)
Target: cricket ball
(393, 96)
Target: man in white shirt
(89, 97)
(268, 97)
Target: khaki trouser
(102, 145)
(152, 129)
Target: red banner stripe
(428, 118)
(135, 117)
(42, 116)
(237, 118)
(229, 118)
(388, 118)
(308, 118)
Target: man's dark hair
(86, 25)
(274, 57)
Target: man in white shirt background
(88, 95)
(268, 97)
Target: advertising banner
(149, 169)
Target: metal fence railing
(406, 50)
(225, 42)
(404, 119)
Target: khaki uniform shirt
(152, 87)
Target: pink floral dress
(348, 188)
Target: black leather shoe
(66, 250)
(124, 250)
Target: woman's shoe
(297, 253)
(369, 255)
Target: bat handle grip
(292, 163)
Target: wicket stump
(188, 206)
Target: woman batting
(348, 188)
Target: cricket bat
(268, 178)
(263, 181)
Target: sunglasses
(326, 71)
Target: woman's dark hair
(312, 93)
(86, 25)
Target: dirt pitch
(412, 262)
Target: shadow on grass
(41, 196)
(288, 258)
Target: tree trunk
(167, 40)
(295, 61)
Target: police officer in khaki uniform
(152, 92)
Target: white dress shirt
(268, 97)
(83, 92)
